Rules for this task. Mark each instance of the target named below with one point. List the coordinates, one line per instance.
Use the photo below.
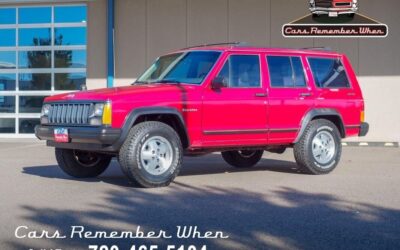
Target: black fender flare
(154, 110)
(319, 112)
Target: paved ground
(269, 206)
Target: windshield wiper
(139, 82)
(167, 81)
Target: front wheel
(319, 149)
(351, 15)
(82, 164)
(242, 158)
(151, 155)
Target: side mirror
(218, 83)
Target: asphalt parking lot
(271, 206)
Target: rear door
(290, 96)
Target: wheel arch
(328, 114)
(170, 116)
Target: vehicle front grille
(343, 4)
(323, 3)
(70, 113)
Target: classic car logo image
(335, 18)
(333, 8)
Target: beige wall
(147, 28)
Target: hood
(144, 91)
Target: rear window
(286, 71)
(329, 73)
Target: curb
(371, 144)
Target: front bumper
(322, 10)
(83, 138)
(364, 128)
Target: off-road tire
(68, 161)
(130, 154)
(237, 160)
(351, 15)
(303, 148)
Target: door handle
(261, 94)
(305, 94)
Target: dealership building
(50, 47)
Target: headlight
(45, 110)
(45, 113)
(100, 114)
(97, 110)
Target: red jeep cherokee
(238, 100)
(334, 7)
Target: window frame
(329, 57)
(306, 86)
(17, 93)
(244, 54)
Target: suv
(334, 7)
(233, 99)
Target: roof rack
(233, 44)
(319, 48)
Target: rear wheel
(82, 164)
(319, 149)
(242, 158)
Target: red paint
(277, 116)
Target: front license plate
(61, 135)
(333, 14)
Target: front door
(235, 113)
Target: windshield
(188, 67)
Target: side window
(329, 73)
(286, 71)
(241, 71)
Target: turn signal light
(362, 116)
(107, 114)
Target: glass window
(7, 125)
(69, 81)
(27, 126)
(286, 71)
(7, 82)
(299, 78)
(7, 38)
(7, 16)
(191, 67)
(70, 58)
(29, 15)
(35, 81)
(35, 37)
(7, 60)
(156, 70)
(241, 71)
(7, 104)
(34, 59)
(329, 73)
(70, 36)
(30, 104)
(70, 14)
